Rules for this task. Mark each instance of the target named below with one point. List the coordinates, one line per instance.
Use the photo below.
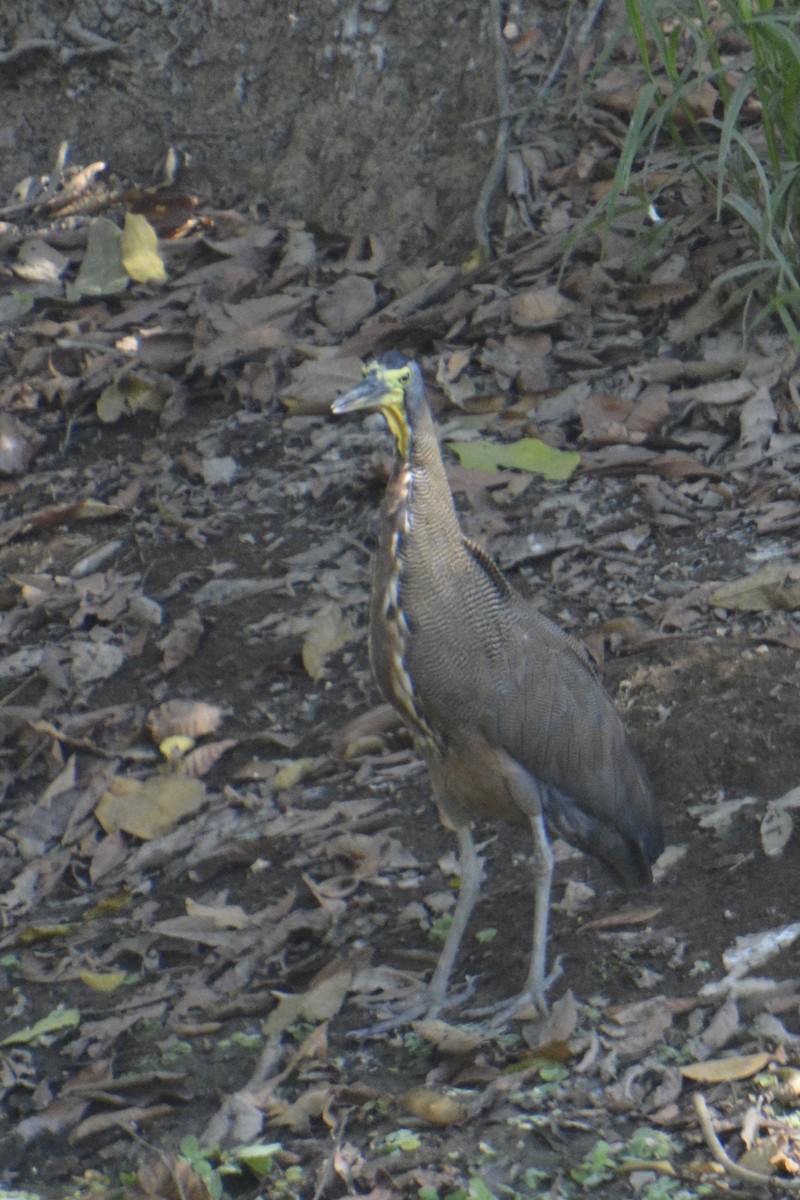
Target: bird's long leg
(471, 877)
(435, 996)
(536, 983)
(526, 794)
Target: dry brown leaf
(556, 1027)
(650, 296)
(704, 314)
(775, 586)
(237, 347)
(315, 384)
(188, 718)
(536, 308)
(723, 1026)
(149, 808)
(168, 1179)
(345, 305)
(182, 640)
(365, 733)
(639, 1027)
(126, 1119)
(727, 1070)
(448, 1039)
(321, 1002)
(18, 445)
(198, 762)
(630, 916)
(297, 1116)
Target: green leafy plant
(212, 1164)
(749, 168)
(596, 1167)
(440, 928)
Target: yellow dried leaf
(176, 746)
(330, 630)
(775, 586)
(32, 934)
(294, 772)
(140, 256)
(103, 981)
(55, 1022)
(726, 1070)
(436, 1108)
(148, 808)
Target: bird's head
(392, 385)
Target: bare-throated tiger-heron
(505, 707)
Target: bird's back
(492, 673)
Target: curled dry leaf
(200, 761)
(187, 718)
(330, 631)
(103, 981)
(630, 916)
(124, 1118)
(726, 1070)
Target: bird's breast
(391, 625)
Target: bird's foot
(427, 1008)
(530, 1004)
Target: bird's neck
(429, 502)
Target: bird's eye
(405, 376)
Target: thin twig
(481, 214)
(733, 1168)
(571, 36)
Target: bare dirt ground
(184, 548)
